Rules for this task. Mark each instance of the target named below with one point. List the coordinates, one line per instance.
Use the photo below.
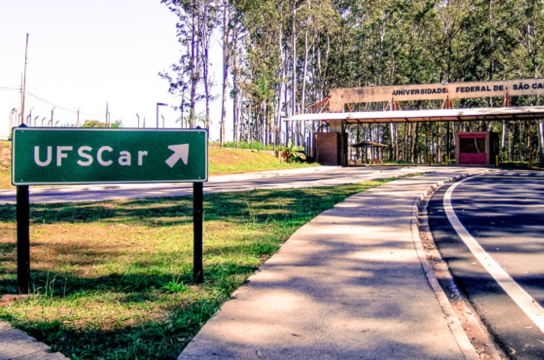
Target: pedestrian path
(16, 345)
(349, 284)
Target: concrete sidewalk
(349, 284)
(16, 345)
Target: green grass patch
(113, 280)
(229, 161)
(5, 164)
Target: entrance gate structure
(336, 110)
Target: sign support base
(198, 209)
(23, 240)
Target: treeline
(279, 56)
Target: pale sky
(84, 54)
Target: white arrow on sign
(180, 152)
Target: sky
(91, 54)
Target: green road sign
(56, 156)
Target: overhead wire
(7, 88)
(18, 89)
(60, 107)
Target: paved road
(298, 178)
(504, 214)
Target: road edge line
(454, 324)
(524, 301)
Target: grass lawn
(229, 161)
(220, 161)
(5, 165)
(113, 280)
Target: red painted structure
(476, 148)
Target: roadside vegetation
(5, 164)
(229, 161)
(113, 280)
(281, 57)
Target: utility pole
(24, 82)
(138, 116)
(77, 124)
(107, 112)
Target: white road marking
(529, 306)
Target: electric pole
(24, 82)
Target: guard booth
(331, 148)
(476, 148)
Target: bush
(255, 145)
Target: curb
(452, 320)
(16, 344)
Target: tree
(197, 21)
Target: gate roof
(403, 116)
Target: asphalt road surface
(499, 261)
(283, 179)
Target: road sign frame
(15, 130)
(23, 206)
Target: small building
(331, 148)
(476, 148)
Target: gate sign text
(339, 97)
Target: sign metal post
(198, 209)
(23, 240)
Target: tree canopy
(282, 55)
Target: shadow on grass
(148, 339)
(178, 310)
(258, 206)
(162, 333)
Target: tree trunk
(194, 63)
(235, 130)
(414, 155)
(510, 140)
(520, 141)
(439, 144)
(294, 61)
(226, 56)
(205, 41)
(303, 95)
(503, 140)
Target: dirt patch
(7, 300)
